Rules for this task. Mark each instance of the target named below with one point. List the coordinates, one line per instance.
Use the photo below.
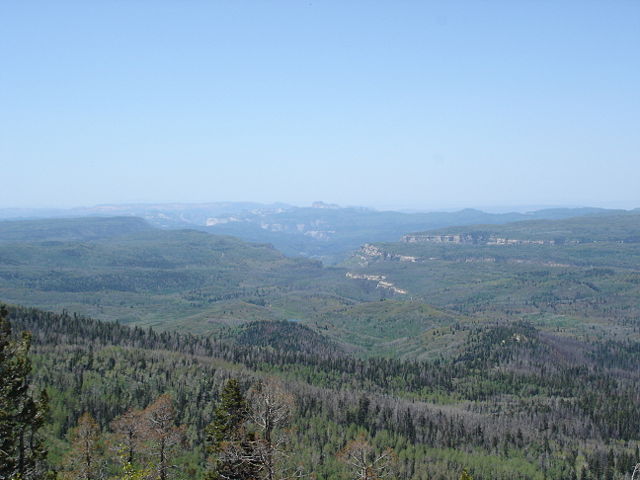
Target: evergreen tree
(229, 442)
(22, 452)
(229, 417)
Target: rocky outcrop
(370, 252)
(363, 276)
(472, 239)
(381, 280)
(390, 286)
(455, 238)
(212, 222)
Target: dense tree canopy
(21, 415)
(512, 405)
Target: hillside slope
(198, 282)
(580, 274)
(70, 229)
(514, 403)
(171, 278)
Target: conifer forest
(477, 389)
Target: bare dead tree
(271, 407)
(129, 431)
(160, 419)
(365, 463)
(83, 460)
(636, 472)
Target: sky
(391, 104)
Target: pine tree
(229, 417)
(22, 452)
(229, 442)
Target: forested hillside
(580, 277)
(620, 226)
(515, 403)
(403, 299)
(508, 354)
(70, 229)
(123, 269)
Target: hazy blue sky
(381, 103)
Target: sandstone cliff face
(381, 280)
(363, 276)
(419, 238)
(213, 221)
(369, 252)
(472, 239)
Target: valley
(579, 275)
(510, 350)
(325, 232)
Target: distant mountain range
(322, 231)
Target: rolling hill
(413, 298)
(125, 269)
(514, 402)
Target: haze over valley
(324, 231)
